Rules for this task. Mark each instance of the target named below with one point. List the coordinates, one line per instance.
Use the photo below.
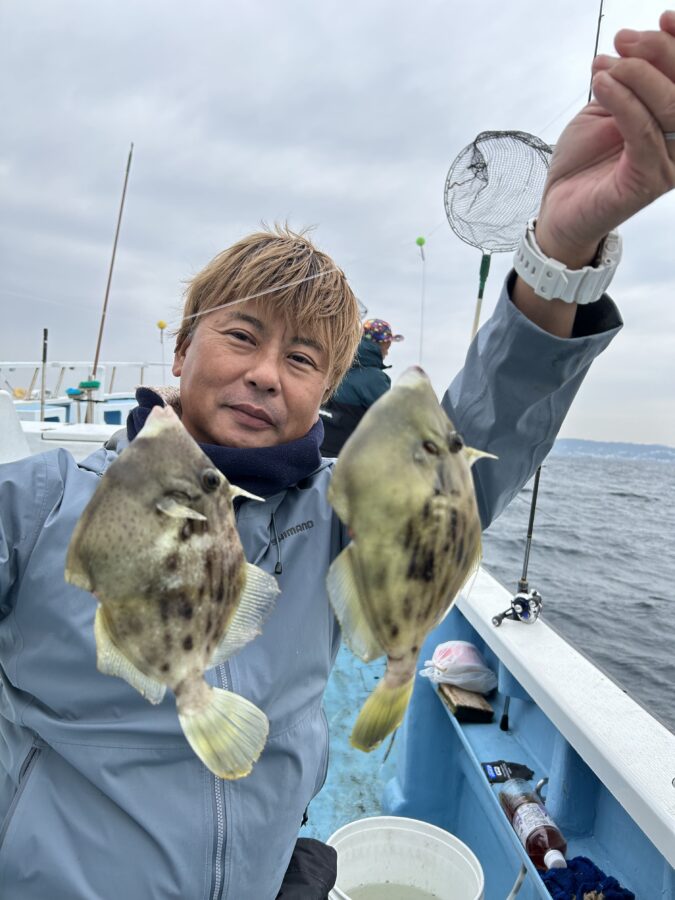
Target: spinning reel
(525, 607)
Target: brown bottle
(538, 833)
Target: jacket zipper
(24, 774)
(220, 811)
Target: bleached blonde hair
(286, 270)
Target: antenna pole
(112, 263)
(89, 415)
(422, 307)
(595, 51)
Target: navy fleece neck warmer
(261, 470)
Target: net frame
(494, 187)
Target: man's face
(384, 348)
(247, 379)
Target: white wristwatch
(552, 280)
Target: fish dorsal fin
(176, 510)
(344, 598)
(240, 492)
(255, 604)
(472, 455)
(111, 661)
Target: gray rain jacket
(100, 795)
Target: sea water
(603, 558)
(390, 892)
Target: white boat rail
(631, 752)
(33, 368)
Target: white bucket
(384, 852)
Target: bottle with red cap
(538, 833)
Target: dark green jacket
(363, 384)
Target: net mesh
(494, 187)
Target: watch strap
(552, 280)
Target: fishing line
(177, 320)
(466, 592)
(271, 290)
(562, 113)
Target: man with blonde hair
(100, 795)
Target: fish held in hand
(403, 486)
(158, 547)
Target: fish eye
(455, 442)
(210, 479)
(430, 447)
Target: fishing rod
(595, 49)
(92, 380)
(526, 604)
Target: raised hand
(613, 158)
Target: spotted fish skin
(403, 485)
(159, 548)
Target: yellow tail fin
(382, 712)
(227, 733)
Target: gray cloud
(326, 114)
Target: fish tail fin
(226, 731)
(382, 713)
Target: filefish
(403, 486)
(158, 547)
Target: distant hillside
(574, 447)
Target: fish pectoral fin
(474, 563)
(176, 510)
(346, 603)
(75, 573)
(111, 661)
(255, 604)
(240, 492)
(471, 573)
(338, 501)
(472, 455)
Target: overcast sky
(341, 115)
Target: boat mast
(45, 339)
(595, 50)
(89, 415)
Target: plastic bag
(461, 664)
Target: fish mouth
(251, 414)
(160, 418)
(412, 377)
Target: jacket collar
(368, 354)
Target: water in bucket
(389, 892)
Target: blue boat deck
(355, 780)
(433, 773)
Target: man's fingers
(652, 88)
(656, 47)
(646, 150)
(667, 21)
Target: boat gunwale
(629, 750)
